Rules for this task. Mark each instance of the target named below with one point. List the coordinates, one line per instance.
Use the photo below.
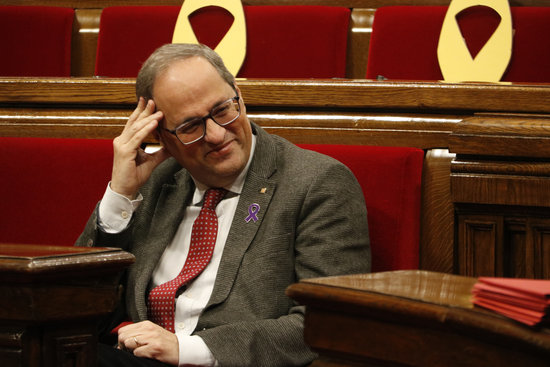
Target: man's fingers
(146, 339)
(138, 110)
(133, 343)
(143, 122)
(141, 130)
(142, 116)
(133, 336)
(131, 165)
(133, 136)
(136, 341)
(149, 109)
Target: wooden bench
(485, 214)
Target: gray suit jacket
(312, 223)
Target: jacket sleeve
(94, 236)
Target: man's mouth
(221, 150)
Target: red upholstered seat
(50, 186)
(404, 41)
(282, 41)
(391, 181)
(35, 41)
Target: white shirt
(115, 212)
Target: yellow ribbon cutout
(232, 47)
(489, 65)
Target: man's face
(189, 89)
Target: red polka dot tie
(162, 299)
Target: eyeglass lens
(223, 114)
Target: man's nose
(215, 133)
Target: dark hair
(165, 55)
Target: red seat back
(391, 181)
(404, 41)
(35, 41)
(50, 187)
(282, 41)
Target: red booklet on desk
(524, 300)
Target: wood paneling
(360, 30)
(84, 42)
(52, 298)
(499, 183)
(477, 240)
(500, 243)
(437, 213)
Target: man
(286, 214)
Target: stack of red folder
(524, 300)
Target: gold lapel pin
(263, 190)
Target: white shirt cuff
(115, 210)
(194, 352)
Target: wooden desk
(50, 301)
(411, 318)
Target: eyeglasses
(194, 130)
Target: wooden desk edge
(364, 304)
(36, 262)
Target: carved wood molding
(503, 135)
(324, 94)
(502, 160)
(346, 3)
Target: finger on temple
(138, 110)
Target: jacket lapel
(165, 221)
(258, 189)
(241, 234)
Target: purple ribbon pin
(253, 209)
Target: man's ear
(236, 87)
(242, 104)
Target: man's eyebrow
(222, 100)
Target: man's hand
(149, 340)
(131, 165)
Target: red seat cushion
(36, 41)
(404, 41)
(50, 187)
(282, 41)
(391, 181)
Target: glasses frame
(204, 118)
